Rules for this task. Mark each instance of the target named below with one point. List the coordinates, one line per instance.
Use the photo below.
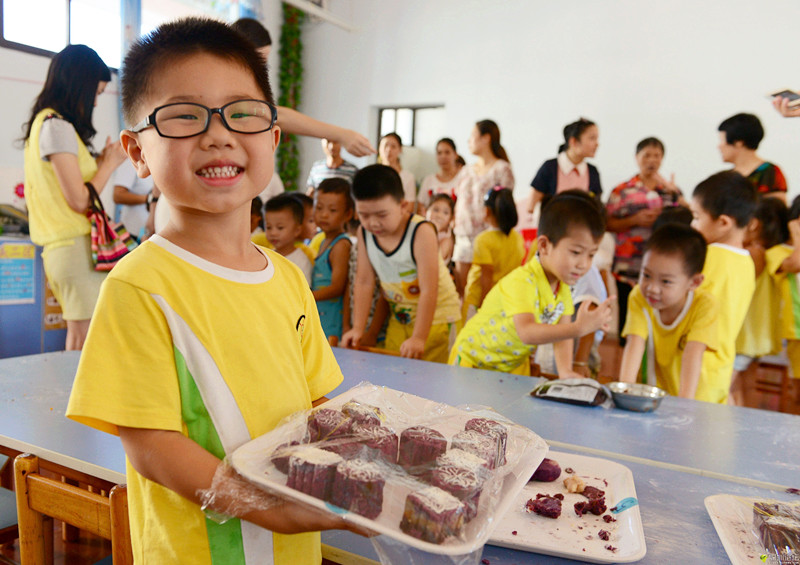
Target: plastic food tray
(574, 536)
(524, 452)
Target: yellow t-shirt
(697, 322)
(175, 339)
(789, 291)
(730, 276)
(492, 247)
(489, 339)
(51, 218)
(760, 333)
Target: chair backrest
(39, 496)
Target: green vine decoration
(291, 89)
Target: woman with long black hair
(58, 164)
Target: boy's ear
(407, 206)
(130, 144)
(276, 137)
(726, 222)
(543, 245)
(696, 281)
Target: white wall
(638, 68)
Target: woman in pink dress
(491, 169)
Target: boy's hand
(646, 217)
(593, 317)
(794, 231)
(351, 338)
(413, 348)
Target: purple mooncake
(461, 483)
(494, 430)
(280, 457)
(419, 448)
(381, 441)
(478, 444)
(433, 515)
(326, 424)
(362, 413)
(312, 471)
(358, 487)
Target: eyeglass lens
(185, 119)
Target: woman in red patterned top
(739, 137)
(632, 208)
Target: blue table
(668, 451)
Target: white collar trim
(681, 316)
(233, 275)
(568, 166)
(738, 250)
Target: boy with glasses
(211, 307)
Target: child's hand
(413, 348)
(351, 338)
(593, 317)
(794, 231)
(646, 217)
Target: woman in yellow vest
(58, 163)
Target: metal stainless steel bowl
(636, 396)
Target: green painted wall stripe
(793, 286)
(224, 540)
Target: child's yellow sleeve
(703, 327)
(775, 256)
(636, 321)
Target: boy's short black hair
(683, 240)
(173, 41)
(673, 215)
(337, 186)
(252, 29)
(570, 209)
(286, 201)
(304, 199)
(376, 181)
(727, 194)
(746, 128)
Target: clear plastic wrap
(431, 479)
(231, 495)
(767, 528)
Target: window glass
(98, 24)
(404, 125)
(387, 121)
(48, 33)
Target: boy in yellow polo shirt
(722, 207)
(670, 318)
(532, 304)
(210, 308)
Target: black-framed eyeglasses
(187, 119)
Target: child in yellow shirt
(283, 222)
(783, 264)
(669, 318)
(496, 252)
(532, 305)
(400, 249)
(212, 305)
(760, 333)
(722, 207)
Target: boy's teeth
(219, 172)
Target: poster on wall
(17, 275)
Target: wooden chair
(40, 498)
(334, 342)
(772, 378)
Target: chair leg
(32, 539)
(121, 549)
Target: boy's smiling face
(665, 284)
(215, 172)
(570, 258)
